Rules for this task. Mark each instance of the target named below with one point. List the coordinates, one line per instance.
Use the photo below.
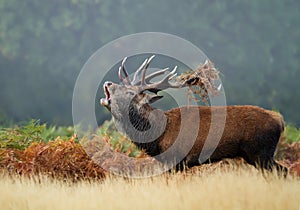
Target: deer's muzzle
(106, 101)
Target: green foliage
(52, 132)
(20, 137)
(118, 141)
(291, 134)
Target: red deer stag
(250, 132)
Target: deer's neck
(143, 125)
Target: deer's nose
(108, 83)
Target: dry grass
(60, 159)
(238, 188)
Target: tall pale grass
(235, 189)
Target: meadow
(236, 188)
(45, 167)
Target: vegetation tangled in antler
(202, 81)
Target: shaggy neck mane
(139, 118)
(145, 124)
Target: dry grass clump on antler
(202, 81)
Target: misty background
(44, 44)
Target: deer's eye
(130, 93)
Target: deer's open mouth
(106, 92)
(106, 101)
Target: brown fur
(250, 132)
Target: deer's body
(250, 132)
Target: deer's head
(138, 93)
(129, 102)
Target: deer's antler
(145, 84)
(126, 80)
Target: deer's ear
(153, 98)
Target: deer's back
(244, 126)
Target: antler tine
(145, 70)
(170, 76)
(120, 75)
(125, 72)
(155, 74)
(174, 75)
(138, 72)
(151, 76)
(163, 84)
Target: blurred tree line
(44, 44)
